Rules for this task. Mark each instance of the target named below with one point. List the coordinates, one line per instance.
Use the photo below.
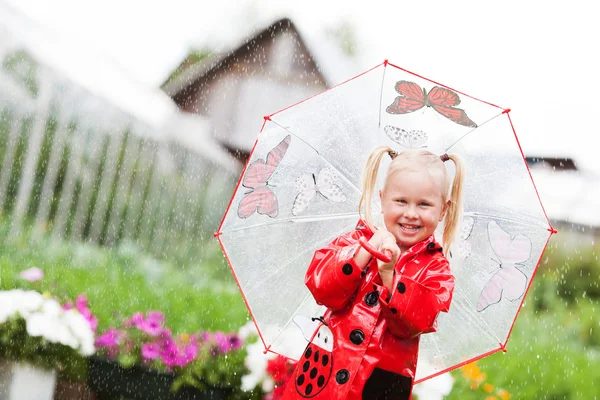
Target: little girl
(377, 310)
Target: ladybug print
(316, 364)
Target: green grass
(554, 350)
(121, 281)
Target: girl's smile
(412, 206)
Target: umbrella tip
(506, 111)
(385, 62)
(552, 230)
(216, 234)
(267, 117)
(503, 348)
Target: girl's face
(412, 206)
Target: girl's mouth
(410, 228)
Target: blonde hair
(413, 160)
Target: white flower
(80, 328)
(20, 302)
(45, 318)
(435, 388)
(247, 330)
(256, 362)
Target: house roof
(333, 66)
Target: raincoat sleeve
(333, 276)
(413, 306)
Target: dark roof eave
(197, 71)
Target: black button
(342, 376)
(357, 336)
(372, 298)
(300, 380)
(431, 245)
(393, 310)
(401, 287)
(347, 269)
(440, 249)
(325, 360)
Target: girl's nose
(411, 212)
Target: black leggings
(386, 385)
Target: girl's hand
(386, 243)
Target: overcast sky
(538, 58)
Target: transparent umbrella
(301, 187)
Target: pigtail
(368, 178)
(454, 213)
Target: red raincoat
(375, 332)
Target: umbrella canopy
(301, 187)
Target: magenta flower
(150, 351)
(179, 355)
(235, 341)
(190, 350)
(111, 338)
(152, 324)
(225, 342)
(169, 352)
(136, 320)
(32, 274)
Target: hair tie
(392, 154)
(444, 157)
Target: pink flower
(175, 355)
(111, 338)
(150, 351)
(225, 342)
(82, 306)
(32, 274)
(190, 350)
(136, 320)
(152, 324)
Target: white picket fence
(76, 167)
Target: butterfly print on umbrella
(508, 282)
(261, 198)
(410, 139)
(461, 249)
(413, 97)
(308, 185)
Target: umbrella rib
(472, 130)
(305, 219)
(358, 190)
(381, 95)
(497, 217)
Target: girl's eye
(425, 204)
